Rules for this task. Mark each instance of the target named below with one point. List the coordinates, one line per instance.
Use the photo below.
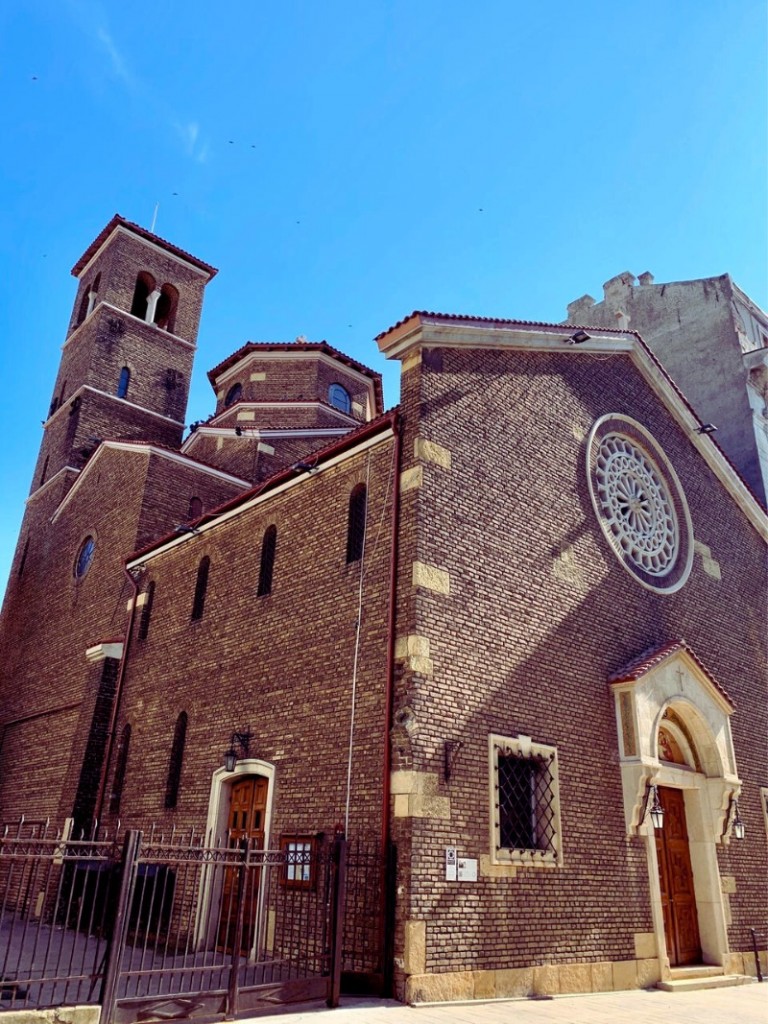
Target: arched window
(123, 382)
(145, 285)
(266, 569)
(44, 470)
(356, 524)
(195, 507)
(82, 312)
(84, 557)
(339, 398)
(201, 586)
(165, 311)
(23, 559)
(233, 395)
(176, 762)
(146, 611)
(118, 782)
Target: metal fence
(176, 926)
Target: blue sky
(344, 163)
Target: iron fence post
(338, 898)
(116, 943)
(234, 969)
(757, 954)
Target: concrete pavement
(744, 1004)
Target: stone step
(686, 983)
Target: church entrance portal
(678, 899)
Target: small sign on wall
(467, 869)
(451, 859)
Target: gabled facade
(499, 629)
(713, 341)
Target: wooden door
(247, 813)
(678, 900)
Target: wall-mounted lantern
(238, 741)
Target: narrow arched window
(165, 311)
(201, 586)
(23, 559)
(118, 782)
(356, 524)
(340, 398)
(145, 285)
(268, 545)
(176, 762)
(233, 395)
(146, 611)
(85, 302)
(195, 507)
(44, 470)
(123, 382)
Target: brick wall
(539, 614)
(281, 664)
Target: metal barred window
(525, 802)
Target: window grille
(266, 569)
(356, 524)
(299, 865)
(526, 803)
(525, 806)
(201, 587)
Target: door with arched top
(246, 823)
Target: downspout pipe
(386, 888)
(134, 583)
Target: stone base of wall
(549, 980)
(61, 1015)
(744, 963)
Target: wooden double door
(247, 817)
(678, 899)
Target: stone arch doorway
(239, 808)
(674, 733)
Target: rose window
(639, 503)
(636, 505)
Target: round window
(85, 557)
(639, 503)
(233, 395)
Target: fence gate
(156, 929)
(217, 930)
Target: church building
(513, 628)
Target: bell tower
(127, 359)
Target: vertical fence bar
(237, 937)
(116, 943)
(756, 951)
(338, 895)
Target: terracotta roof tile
(328, 451)
(118, 221)
(652, 657)
(429, 317)
(294, 346)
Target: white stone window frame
(524, 747)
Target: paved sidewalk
(744, 1004)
